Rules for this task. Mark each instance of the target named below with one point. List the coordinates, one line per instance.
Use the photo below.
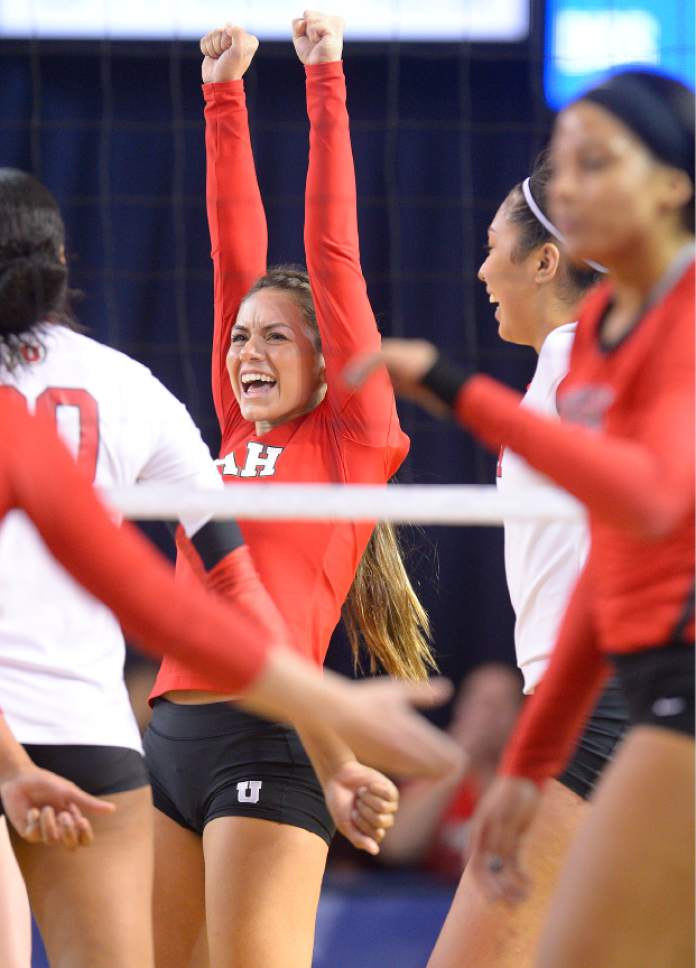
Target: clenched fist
(318, 37)
(227, 54)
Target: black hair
(33, 273)
(659, 110)
(575, 278)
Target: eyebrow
(263, 328)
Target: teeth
(492, 299)
(251, 377)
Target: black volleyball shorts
(658, 683)
(215, 760)
(99, 770)
(604, 729)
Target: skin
(524, 289)
(616, 203)
(619, 205)
(271, 337)
(114, 875)
(198, 883)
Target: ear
(547, 261)
(321, 367)
(679, 188)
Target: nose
(482, 271)
(251, 349)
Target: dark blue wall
(440, 133)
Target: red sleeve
(642, 486)
(553, 717)
(346, 321)
(121, 569)
(237, 224)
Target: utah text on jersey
(260, 461)
(586, 405)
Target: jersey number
(49, 403)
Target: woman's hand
(227, 54)
(362, 803)
(47, 809)
(318, 37)
(407, 361)
(500, 823)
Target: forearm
(421, 807)
(326, 750)
(236, 218)
(555, 714)
(343, 309)
(12, 754)
(620, 481)
(120, 568)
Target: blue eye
(238, 338)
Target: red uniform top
(38, 476)
(636, 478)
(352, 436)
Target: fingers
(434, 692)
(79, 800)
(299, 27)
(370, 819)
(215, 42)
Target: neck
(637, 271)
(552, 313)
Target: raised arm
(236, 218)
(346, 321)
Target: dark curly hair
(33, 273)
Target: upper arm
(344, 314)
(237, 225)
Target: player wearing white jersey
(542, 558)
(61, 664)
(538, 292)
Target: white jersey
(62, 651)
(543, 559)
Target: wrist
(329, 68)
(445, 379)
(13, 765)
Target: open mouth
(494, 301)
(256, 384)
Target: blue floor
(368, 921)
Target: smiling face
(607, 192)
(274, 365)
(509, 280)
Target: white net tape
(398, 503)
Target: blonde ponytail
(383, 612)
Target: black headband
(653, 119)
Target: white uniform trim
(62, 651)
(542, 559)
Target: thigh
(15, 918)
(487, 935)
(179, 896)
(630, 874)
(262, 889)
(93, 905)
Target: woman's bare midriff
(193, 697)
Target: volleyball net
(397, 504)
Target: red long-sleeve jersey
(632, 464)
(38, 476)
(352, 436)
